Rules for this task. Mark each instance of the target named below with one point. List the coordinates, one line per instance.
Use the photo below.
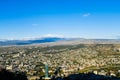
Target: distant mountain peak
(53, 35)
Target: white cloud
(53, 35)
(86, 14)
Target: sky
(61, 18)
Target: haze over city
(21, 19)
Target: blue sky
(69, 18)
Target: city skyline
(59, 18)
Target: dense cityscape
(62, 61)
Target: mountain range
(58, 41)
(30, 41)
